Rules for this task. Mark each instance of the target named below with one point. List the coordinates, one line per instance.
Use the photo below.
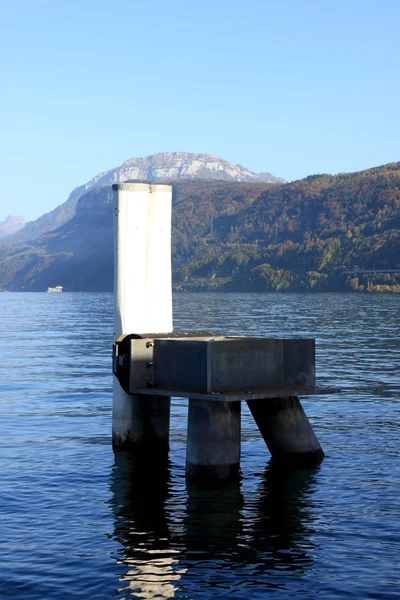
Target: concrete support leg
(213, 440)
(286, 430)
(140, 422)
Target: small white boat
(58, 288)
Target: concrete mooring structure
(215, 373)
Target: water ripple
(78, 522)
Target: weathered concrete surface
(213, 440)
(146, 421)
(286, 430)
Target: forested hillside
(322, 233)
(319, 233)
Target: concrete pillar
(213, 440)
(143, 299)
(286, 430)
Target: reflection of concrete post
(141, 526)
(213, 440)
(281, 517)
(286, 429)
(213, 521)
(143, 298)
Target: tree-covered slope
(318, 234)
(79, 254)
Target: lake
(78, 522)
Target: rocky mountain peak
(186, 165)
(10, 225)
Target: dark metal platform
(258, 394)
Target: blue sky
(290, 87)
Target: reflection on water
(282, 521)
(170, 541)
(141, 527)
(212, 521)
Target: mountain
(174, 166)
(322, 233)
(11, 225)
(80, 252)
(157, 167)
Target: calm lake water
(77, 522)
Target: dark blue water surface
(77, 522)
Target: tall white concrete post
(143, 300)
